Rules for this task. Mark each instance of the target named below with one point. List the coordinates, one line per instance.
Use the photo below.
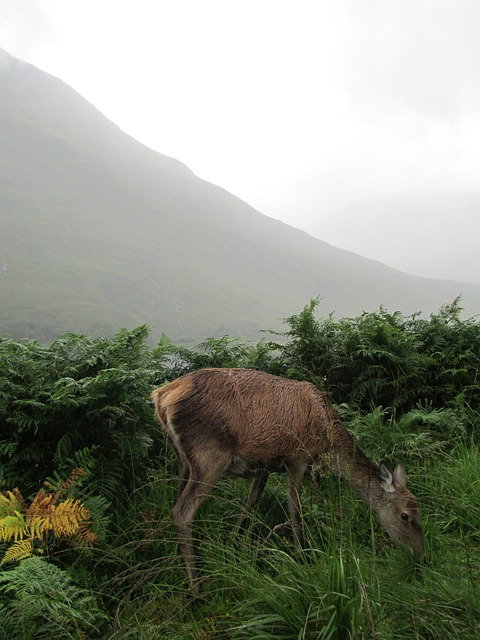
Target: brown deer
(249, 423)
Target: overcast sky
(298, 107)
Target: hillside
(98, 232)
(433, 234)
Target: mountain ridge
(99, 231)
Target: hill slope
(97, 232)
(433, 234)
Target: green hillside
(98, 232)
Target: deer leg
(295, 476)
(256, 489)
(198, 487)
(184, 472)
(183, 466)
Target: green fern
(99, 510)
(41, 601)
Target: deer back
(254, 414)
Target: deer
(247, 423)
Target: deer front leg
(256, 489)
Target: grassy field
(350, 582)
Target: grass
(349, 583)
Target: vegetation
(87, 548)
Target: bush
(386, 360)
(78, 403)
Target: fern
(49, 514)
(46, 514)
(43, 602)
(19, 550)
(76, 395)
(7, 448)
(68, 443)
(82, 462)
(98, 508)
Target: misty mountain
(98, 232)
(432, 234)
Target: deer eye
(405, 517)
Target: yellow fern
(67, 517)
(12, 527)
(18, 551)
(48, 514)
(12, 523)
(10, 501)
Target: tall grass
(350, 582)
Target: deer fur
(248, 424)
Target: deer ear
(400, 475)
(386, 478)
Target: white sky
(298, 107)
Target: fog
(300, 108)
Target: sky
(299, 107)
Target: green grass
(349, 583)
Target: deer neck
(352, 465)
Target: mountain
(99, 232)
(433, 234)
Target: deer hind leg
(183, 466)
(295, 474)
(203, 476)
(256, 489)
(183, 470)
